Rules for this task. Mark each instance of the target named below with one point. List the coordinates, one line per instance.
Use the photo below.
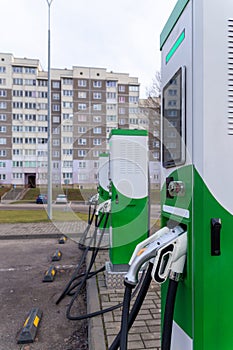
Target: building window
(82, 141)
(67, 139)
(67, 81)
(68, 93)
(56, 154)
(2, 164)
(56, 142)
(2, 117)
(30, 117)
(56, 84)
(42, 106)
(56, 131)
(111, 95)
(2, 176)
(96, 153)
(17, 140)
(30, 105)
(82, 153)
(17, 175)
(82, 129)
(133, 99)
(122, 121)
(3, 93)
(82, 94)
(56, 96)
(121, 110)
(67, 128)
(97, 107)
(17, 93)
(172, 92)
(97, 142)
(2, 153)
(97, 84)
(30, 140)
(97, 119)
(97, 130)
(17, 163)
(29, 93)
(67, 104)
(111, 118)
(3, 105)
(17, 69)
(82, 83)
(31, 152)
(56, 119)
(29, 70)
(30, 164)
(2, 69)
(97, 95)
(67, 152)
(30, 82)
(82, 165)
(111, 83)
(67, 116)
(82, 106)
(121, 99)
(133, 121)
(42, 118)
(121, 88)
(42, 82)
(82, 118)
(67, 164)
(111, 107)
(134, 88)
(2, 81)
(56, 108)
(67, 175)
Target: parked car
(41, 199)
(61, 199)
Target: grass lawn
(23, 216)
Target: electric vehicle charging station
(129, 219)
(103, 177)
(197, 138)
(103, 191)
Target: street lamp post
(49, 208)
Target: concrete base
(114, 279)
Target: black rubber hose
(168, 314)
(91, 216)
(83, 257)
(99, 312)
(125, 317)
(136, 306)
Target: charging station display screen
(174, 120)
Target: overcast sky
(119, 35)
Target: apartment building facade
(86, 103)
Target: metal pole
(49, 207)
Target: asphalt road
(23, 264)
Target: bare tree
(155, 89)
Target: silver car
(61, 199)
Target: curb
(96, 337)
(31, 236)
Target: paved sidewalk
(145, 333)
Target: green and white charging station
(129, 218)
(103, 177)
(103, 185)
(197, 167)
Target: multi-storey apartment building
(86, 103)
